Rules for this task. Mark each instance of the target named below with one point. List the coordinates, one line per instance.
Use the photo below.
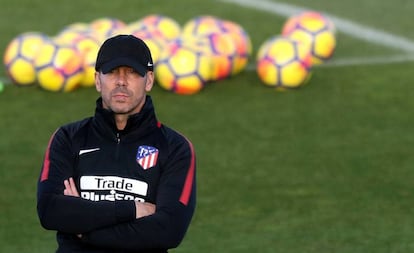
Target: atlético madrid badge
(147, 156)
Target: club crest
(147, 156)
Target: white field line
(357, 61)
(348, 27)
(368, 60)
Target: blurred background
(325, 166)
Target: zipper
(118, 138)
(118, 141)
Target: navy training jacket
(146, 161)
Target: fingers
(67, 191)
(70, 188)
(144, 209)
(73, 187)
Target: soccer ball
(154, 40)
(59, 67)
(205, 25)
(167, 27)
(183, 70)
(242, 42)
(316, 31)
(283, 63)
(221, 49)
(105, 27)
(200, 25)
(88, 46)
(72, 31)
(19, 56)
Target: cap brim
(123, 61)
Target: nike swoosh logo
(84, 151)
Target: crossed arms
(141, 208)
(125, 224)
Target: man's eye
(134, 72)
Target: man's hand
(144, 209)
(70, 188)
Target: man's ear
(97, 82)
(150, 81)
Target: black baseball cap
(124, 50)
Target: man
(119, 181)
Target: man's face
(123, 90)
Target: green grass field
(326, 168)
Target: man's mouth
(120, 96)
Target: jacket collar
(139, 123)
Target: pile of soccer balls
(285, 61)
(204, 50)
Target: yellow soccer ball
(283, 63)
(183, 70)
(19, 56)
(88, 46)
(201, 25)
(59, 68)
(316, 31)
(218, 46)
(71, 32)
(105, 27)
(167, 27)
(242, 42)
(155, 41)
(207, 24)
